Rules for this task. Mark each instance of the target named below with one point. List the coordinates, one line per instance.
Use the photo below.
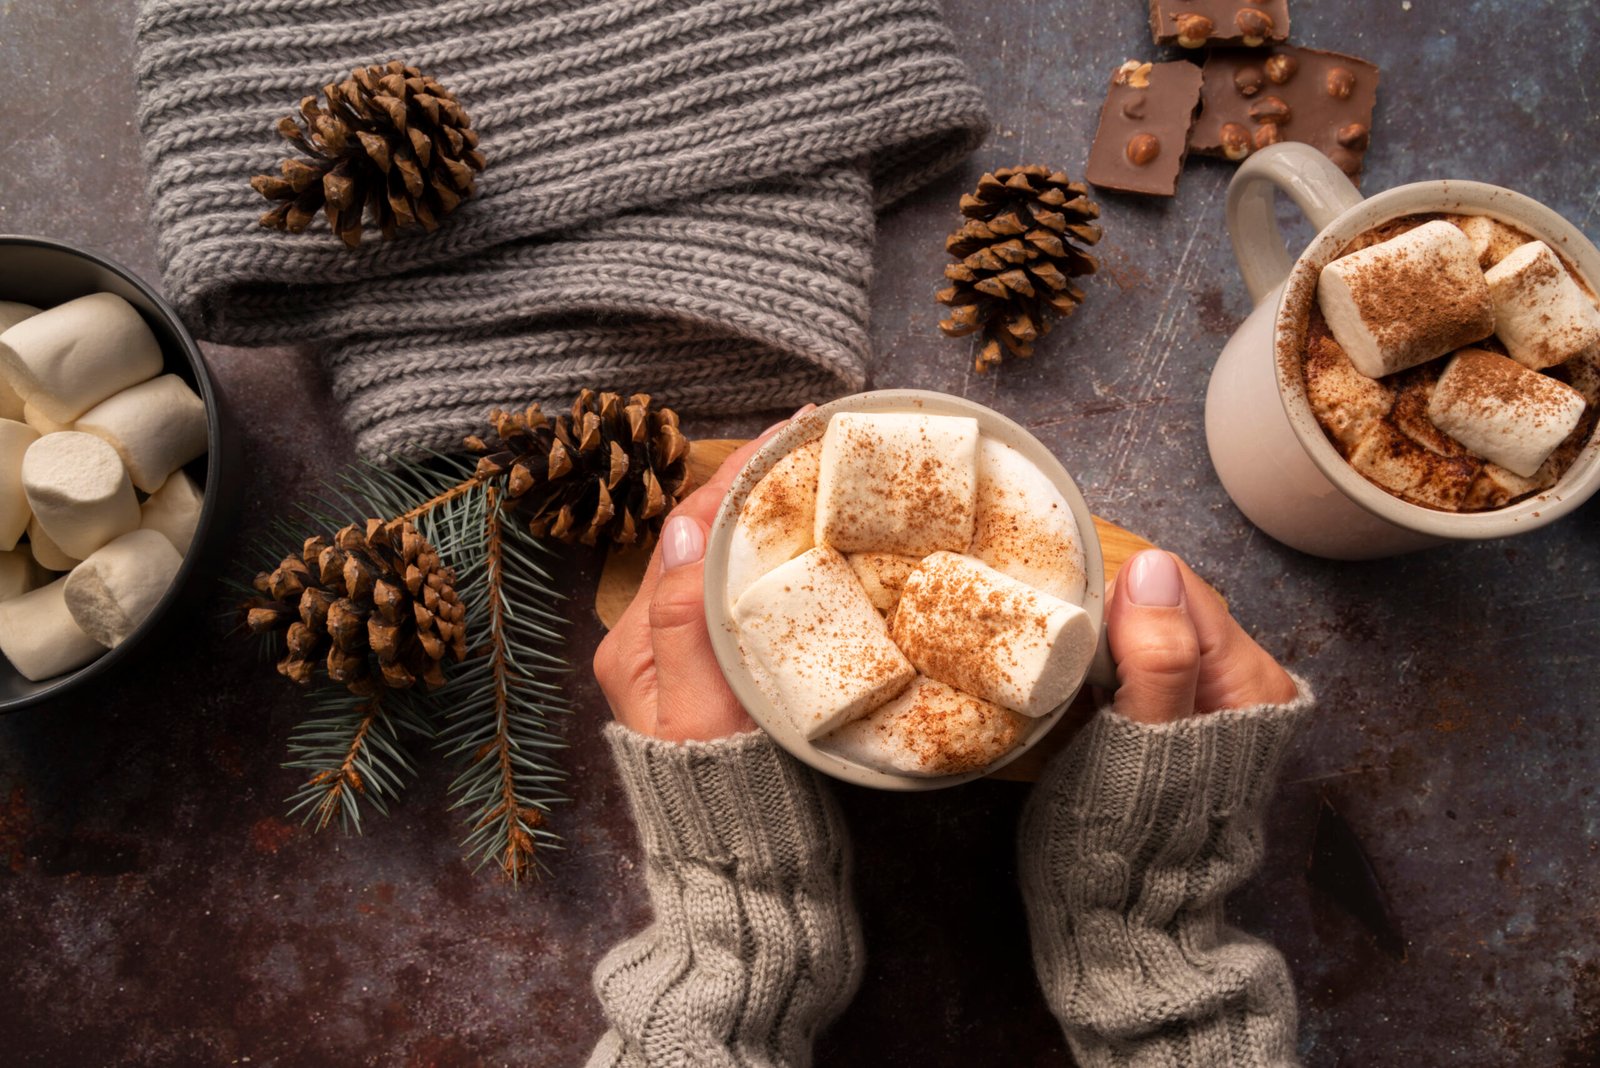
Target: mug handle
(1319, 188)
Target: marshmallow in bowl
(45, 551)
(13, 312)
(930, 729)
(18, 573)
(15, 438)
(1540, 314)
(776, 521)
(1407, 300)
(41, 422)
(1502, 411)
(882, 576)
(79, 491)
(40, 638)
(967, 625)
(69, 358)
(155, 426)
(1023, 527)
(901, 482)
(819, 643)
(173, 510)
(1492, 240)
(118, 585)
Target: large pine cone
(392, 144)
(376, 606)
(1016, 259)
(609, 472)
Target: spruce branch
(354, 752)
(501, 707)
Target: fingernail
(803, 411)
(1153, 580)
(683, 541)
(779, 425)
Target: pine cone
(391, 144)
(378, 608)
(608, 472)
(1017, 259)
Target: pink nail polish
(683, 541)
(1153, 580)
(803, 411)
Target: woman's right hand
(1178, 650)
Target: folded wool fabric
(679, 198)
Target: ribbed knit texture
(1128, 847)
(755, 943)
(679, 197)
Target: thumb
(692, 697)
(1153, 640)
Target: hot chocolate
(909, 592)
(1454, 361)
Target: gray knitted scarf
(679, 199)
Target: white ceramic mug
(725, 633)
(1271, 454)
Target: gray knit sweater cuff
(738, 802)
(1167, 786)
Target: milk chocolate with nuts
(1196, 23)
(1255, 97)
(1144, 127)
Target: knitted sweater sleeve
(755, 943)
(1129, 845)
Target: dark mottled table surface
(156, 908)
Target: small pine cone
(607, 473)
(391, 145)
(376, 607)
(1016, 258)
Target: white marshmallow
(900, 483)
(15, 438)
(41, 422)
(1502, 411)
(71, 357)
(1407, 300)
(1540, 314)
(174, 510)
(776, 521)
(931, 729)
(1385, 456)
(18, 573)
(156, 427)
(823, 648)
(1023, 527)
(39, 637)
(45, 551)
(13, 312)
(1492, 240)
(882, 576)
(1027, 650)
(1495, 487)
(1346, 402)
(79, 491)
(118, 585)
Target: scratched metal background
(155, 909)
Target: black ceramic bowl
(39, 271)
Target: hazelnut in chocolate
(1142, 139)
(1197, 23)
(1252, 98)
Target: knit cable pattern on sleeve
(679, 198)
(1128, 847)
(755, 944)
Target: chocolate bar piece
(1193, 23)
(1144, 127)
(1253, 98)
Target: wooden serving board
(624, 571)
